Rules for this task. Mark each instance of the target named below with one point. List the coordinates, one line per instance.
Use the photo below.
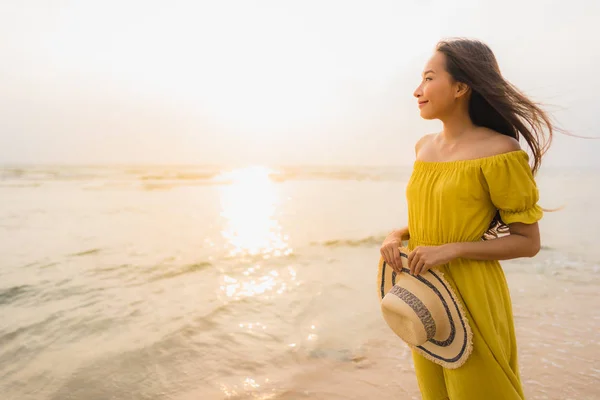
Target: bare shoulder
(493, 143)
(424, 140)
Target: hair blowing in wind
(495, 103)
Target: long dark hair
(496, 103)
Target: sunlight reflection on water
(248, 205)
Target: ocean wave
(178, 176)
(35, 175)
(186, 269)
(375, 174)
(33, 328)
(86, 253)
(11, 294)
(367, 242)
(19, 185)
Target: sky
(271, 82)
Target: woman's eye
(427, 79)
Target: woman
(473, 181)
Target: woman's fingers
(392, 256)
(394, 261)
(412, 260)
(397, 259)
(419, 268)
(415, 261)
(386, 254)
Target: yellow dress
(455, 201)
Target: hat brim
(453, 351)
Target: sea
(255, 282)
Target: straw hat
(425, 313)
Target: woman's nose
(417, 93)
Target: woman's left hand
(423, 258)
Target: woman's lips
(422, 103)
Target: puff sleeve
(512, 187)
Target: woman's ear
(462, 89)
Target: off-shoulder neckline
(472, 161)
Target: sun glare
(248, 204)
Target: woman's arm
(400, 234)
(523, 241)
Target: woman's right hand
(391, 253)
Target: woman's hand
(390, 248)
(423, 258)
(391, 253)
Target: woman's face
(436, 93)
